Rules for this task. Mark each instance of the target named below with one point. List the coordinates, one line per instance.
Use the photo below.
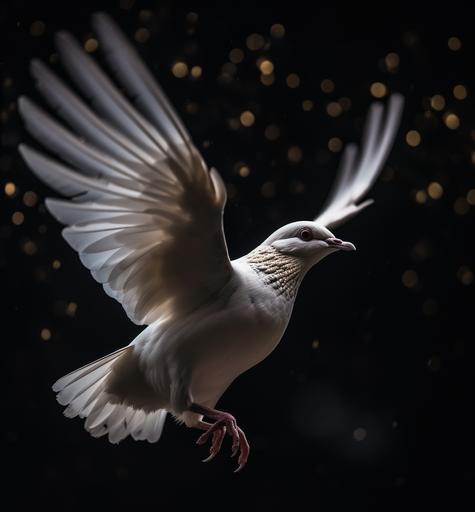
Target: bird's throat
(281, 271)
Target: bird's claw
(239, 468)
(226, 424)
(218, 436)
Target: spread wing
(357, 173)
(143, 210)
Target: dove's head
(307, 240)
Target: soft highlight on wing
(143, 210)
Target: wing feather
(356, 176)
(139, 83)
(143, 210)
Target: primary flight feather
(145, 214)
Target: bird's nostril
(335, 241)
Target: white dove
(145, 215)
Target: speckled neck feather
(281, 271)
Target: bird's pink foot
(224, 424)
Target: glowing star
(145, 215)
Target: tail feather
(70, 378)
(136, 425)
(85, 394)
(100, 414)
(119, 431)
(90, 405)
(142, 433)
(85, 399)
(81, 386)
(155, 430)
(98, 431)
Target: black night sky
(368, 399)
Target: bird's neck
(282, 272)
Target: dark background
(394, 359)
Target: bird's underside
(144, 213)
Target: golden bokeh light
(421, 196)
(471, 197)
(413, 138)
(18, 218)
(142, 35)
(454, 44)
(460, 92)
(409, 278)
(244, 171)
(465, 275)
(266, 67)
(30, 199)
(294, 154)
(435, 190)
(10, 189)
(91, 45)
(255, 42)
(378, 90)
(45, 334)
(392, 61)
(277, 30)
(327, 86)
(179, 69)
(247, 118)
(30, 248)
(267, 79)
(307, 105)
(56, 264)
(71, 309)
(236, 55)
(437, 102)
(334, 109)
(293, 80)
(196, 71)
(335, 145)
(452, 120)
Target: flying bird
(145, 214)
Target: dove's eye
(306, 234)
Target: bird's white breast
(225, 337)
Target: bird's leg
(224, 423)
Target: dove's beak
(339, 244)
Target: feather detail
(354, 180)
(139, 190)
(280, 271)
